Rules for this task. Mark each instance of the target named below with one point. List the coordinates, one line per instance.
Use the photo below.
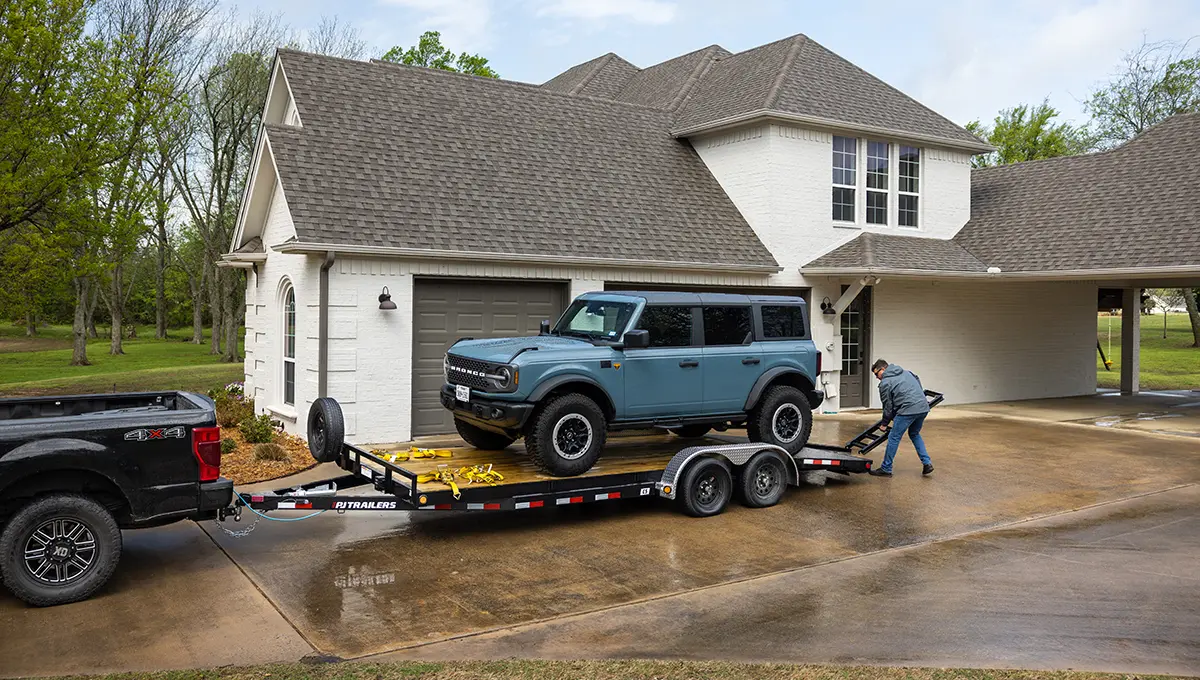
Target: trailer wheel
(783, 418)
(567, 435)
(706, 487)
(764, 479)
(326, 430)
(480, 438)
(691, 431)
(58, 549)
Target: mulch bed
(242, 468)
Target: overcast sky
(966, 59)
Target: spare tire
(326, 430)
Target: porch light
(827, 307)
(385, 299)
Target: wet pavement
(1174, 412)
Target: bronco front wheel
(566, 435)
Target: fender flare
(765, 379)
(557, 381)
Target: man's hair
(879, 363)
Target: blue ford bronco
(685, 362)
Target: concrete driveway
(945, 570)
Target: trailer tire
(706, 487)
(782, 418)
(691, 431)
(326, 430)
(482, 439)
(764, 479)
(85, 533)
(567, 435)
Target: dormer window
(888, 202)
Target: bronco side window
(727, 326)
(782, 322)
(668, 326)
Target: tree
(336, 39)
(1154, 81)
(430, 53)
(1191, 300)
(1028, 133)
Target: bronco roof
(669, 297)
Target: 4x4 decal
(142, 435)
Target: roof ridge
(695, 76)
(601, 62)
(798, 42)
(868, 247)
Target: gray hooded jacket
(901, 393)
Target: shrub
(228, 446)
(231, 410)
(258, 429)
(270, 451)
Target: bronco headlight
(503, 378)
(446, 367)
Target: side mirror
(544, 329)
(636, 339)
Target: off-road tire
(326, 430)
(74, 510)
(568, 410)
(484, 440)
(764, 480)
(706, 487)
(691, 431)
(762, 425)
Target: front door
(667, 377)
(856, 376)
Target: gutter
(995, 273)
(323, 328)
(519, 258)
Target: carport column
(826, 335)
(581, 286)
(1131, 339)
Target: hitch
(234, 511)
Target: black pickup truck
(76, 470)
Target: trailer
(703, 478)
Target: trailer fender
(736, 454)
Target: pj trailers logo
(364, 505)
(161, 433)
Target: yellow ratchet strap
(443, 475)
(480, 474)
(413, 453)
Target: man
(905, 407)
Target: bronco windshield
(595, 320)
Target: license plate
(462, 393)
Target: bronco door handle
(689, 363)
(750, 360)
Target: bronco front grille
(469, 372)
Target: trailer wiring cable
(275, 519)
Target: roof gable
(665, 85)
(602, 77)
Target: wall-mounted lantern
(385, 300)
(827, 307)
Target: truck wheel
(59, 549)
(691, 431)
(706, 487)
(480, 438)
(764, 479)
(326, 430)
(782, 418)
(567, 435)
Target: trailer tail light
(206, 444)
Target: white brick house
(484, 206)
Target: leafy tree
(1028, 133)
(1154, 81)
(430, 53)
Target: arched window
(289, 346)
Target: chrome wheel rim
(785, 424)
(60, 551)
(572, 436)
(766, 479)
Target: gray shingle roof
(603, 77)
(872, 251)
(404, 157)
(665, 85)
(797, 76)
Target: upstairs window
(877, 182)
(910, 186)
(845, 178)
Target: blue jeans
(900, 425)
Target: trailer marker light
(667, 490)
(423, 500)
(525, 505)
(608, 496)
(491, 506)
(256, 499)
(442, 506)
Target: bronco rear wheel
(480, 438)
(566, 435)
(783, 418)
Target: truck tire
(326, 430)
(482, 439)
(706, 487)
(783, 418)
(60, 548)
(566, 435)
(691, 431)
(764, 480)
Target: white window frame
(917, 194)
(856, 187)
(893, 190)
(886, 191)
(288, 291)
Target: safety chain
(240, 533)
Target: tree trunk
(90, 315)
(79, 328)
(160, 282)
(214, 308)
(1189, 299)
(30, 324)
(196, 285)
(235, 309)
(116, 313)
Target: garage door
(445, 310)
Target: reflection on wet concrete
(377, 581)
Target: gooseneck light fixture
(385, 300)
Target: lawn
(41, 365)
(607, 670)
(1167, 364)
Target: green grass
(41, 365)
(1166, 364)
(605, 670)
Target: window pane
(907, 216)
(877, 165)
(289, 332)
(876, 207)
(843, 204)
(910, 169)
(727, 326)
(289, 382)
(668, 326)
(783, 322)
(845, 158)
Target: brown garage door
(445, 310)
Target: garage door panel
(445, 310)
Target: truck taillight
(206, 444)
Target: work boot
(927, 470)
(879, 473)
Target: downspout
(323, 328)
